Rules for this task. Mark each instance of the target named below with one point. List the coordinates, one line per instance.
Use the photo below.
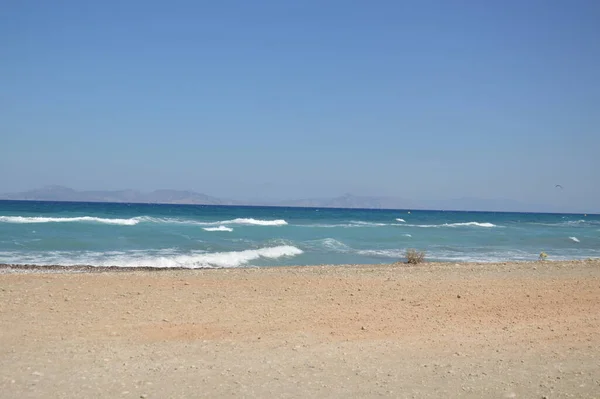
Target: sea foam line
(40, 219)
(135, 220)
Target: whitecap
(256, 222)
(400, 220)
(220, 228)
(574, 239)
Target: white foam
(39, 219)
(220, 228)
(163, 258)
(575, 239)
(135, 220)
(256, 222)
(400, 220)
(407, 235)
(477, 224)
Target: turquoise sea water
(101, 234)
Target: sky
(299, 99)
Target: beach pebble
(458, 296)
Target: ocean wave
(220, 228)
(160, 259)
(333, 244)
(355, 223)
(366, 224)
(218, 223)
(256, 222)
(383, 253)
(477, 224)
(328, 244)
(40, 219)
(400, 220)
(574, 239)
(135, 220)
(570, 223)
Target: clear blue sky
(279, 99)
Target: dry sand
(529, 330)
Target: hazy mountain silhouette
(60, 193)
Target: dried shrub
(414, 257)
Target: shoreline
(8, 267)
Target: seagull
(558, 186)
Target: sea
(198, 236)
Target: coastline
(32, 268)
(510, 329)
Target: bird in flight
(558, 186)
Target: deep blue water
(103, 234)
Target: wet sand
(436, 330)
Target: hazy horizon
(343, 200)
(427, 101)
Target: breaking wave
(158, 259)
(220, 228)
(355, 223)
(256, 222)
(574, 239)
(139, 219)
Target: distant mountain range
(60, 193)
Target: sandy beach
(529, 330)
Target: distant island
(186, 197)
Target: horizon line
(302, 207)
